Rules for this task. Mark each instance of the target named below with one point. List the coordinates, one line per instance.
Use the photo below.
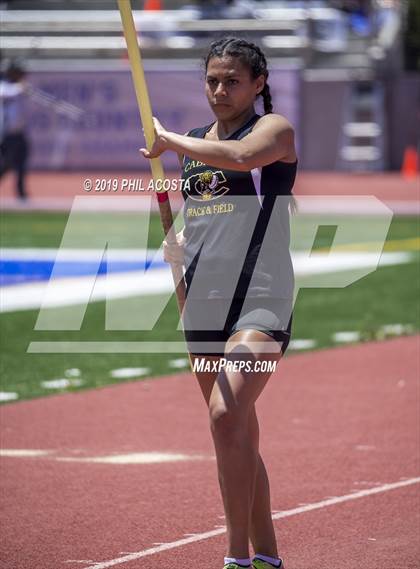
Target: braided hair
(250, 55)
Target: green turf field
(390, 295)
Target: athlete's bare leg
(242, 475)
(262, 533)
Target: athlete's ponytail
(266, 95)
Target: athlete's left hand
(159, 144)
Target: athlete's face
(230, 89)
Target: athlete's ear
(259, 83)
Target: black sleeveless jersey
(237, 227)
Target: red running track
(333, 423)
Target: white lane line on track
(128, 458)
(138, 458)
(284, 514)
(23, 453)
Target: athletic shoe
(259, 564)
(237, 566)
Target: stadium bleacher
(308, 30)
(330, 41)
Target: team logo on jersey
(209, 185)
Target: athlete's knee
(228, 426)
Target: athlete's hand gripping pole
(143, 102)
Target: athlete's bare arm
(271, 139)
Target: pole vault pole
(145, 109)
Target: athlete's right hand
(174, 253)
(159, 144)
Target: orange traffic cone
(410, 163)
(152, 5)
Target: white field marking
(8, 395)
(73, 372)
(127, 372)
(67, 254)
(344, 337)
(302, 344)
(396, 329)
(68, 291)
(327, 262)
(179, 363)
(23, 453)
(61, 383)
(283, 514)
(137, 458)
(141, 255)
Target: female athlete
(235, 247)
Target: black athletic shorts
(271, 316)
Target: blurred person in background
(359, 13)
(14, 146)
(412, 36)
